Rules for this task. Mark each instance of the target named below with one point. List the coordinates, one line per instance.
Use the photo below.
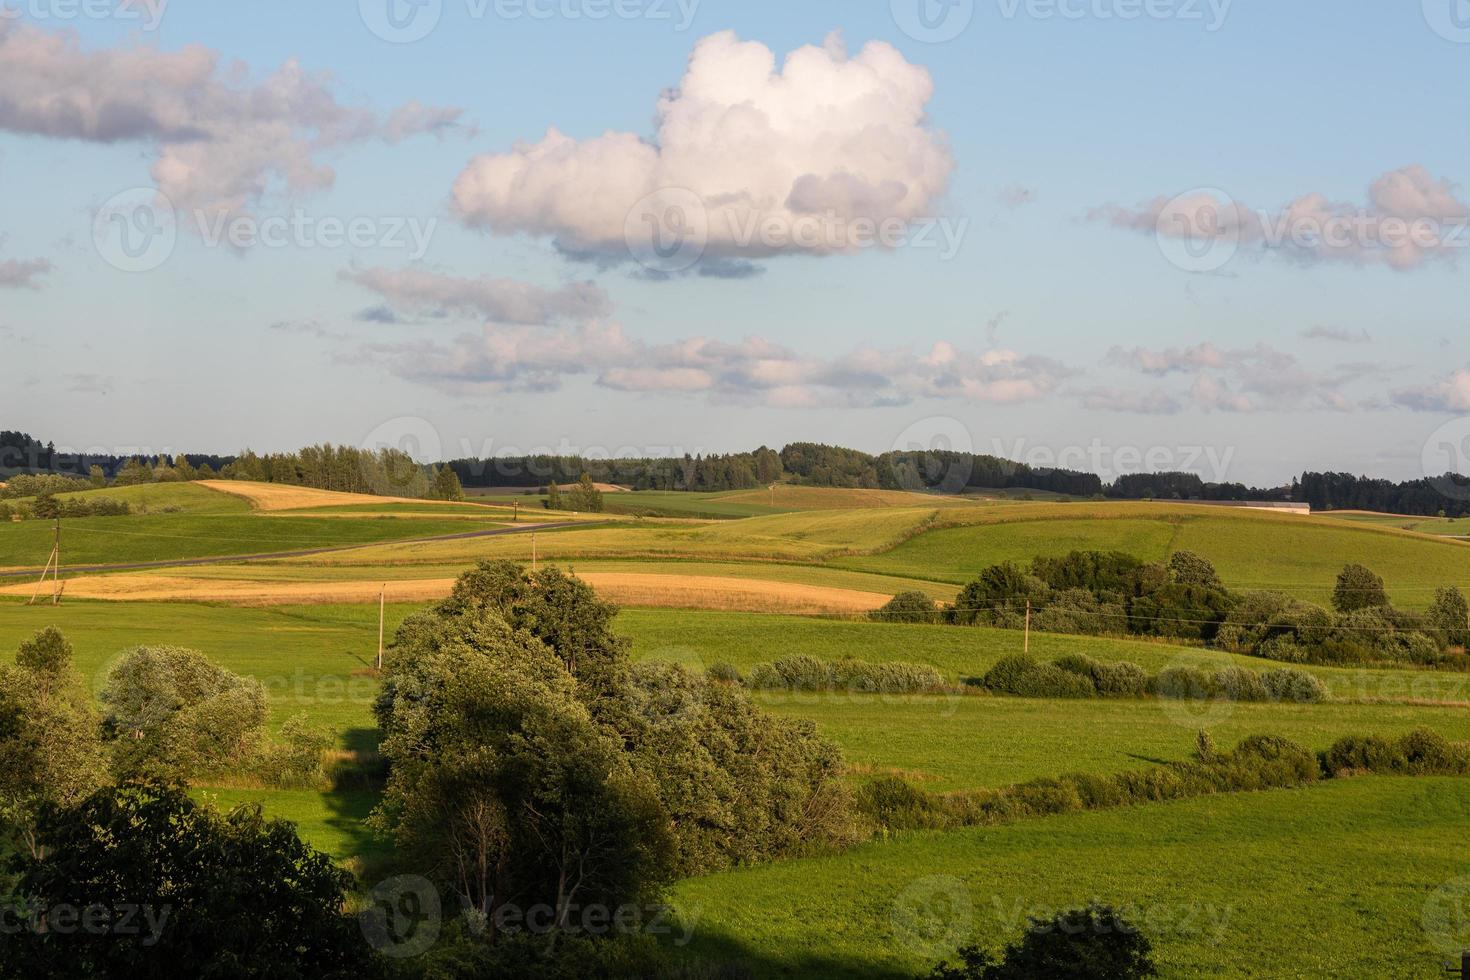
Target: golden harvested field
(277, 496)
(652, 590)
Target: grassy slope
(961, 742)
(1326, 881)
(164, 537)
(702, 638)
(187, 498)
(790, 537)
(1296, 554)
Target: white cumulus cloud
(802, 158)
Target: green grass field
(698, 639)
(167, 537)
(974, 742)
(1291, 554)
(306, 656)
(809, 536)
(1452, 527)
(185, 498)
(1332, 880)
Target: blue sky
(1049, 146)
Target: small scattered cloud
(23, 273)
(1259, 378)
(1450, 395)
(752, 371)
(1411, 218)
(381, 313)
(1015, 196)
(422, 292)
(1338, 335)
(90, 384)
(1153, 402)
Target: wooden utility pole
(517, 505)
(382, 602)
(1028, 626)
(53, 568)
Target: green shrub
(1185, 683)
(908, 607)
(797, 673)
(1025, 677)
(1294, 686)
(1284, 648)
(1239, 684)
(722, 672)
(1422, 752)
(1121, 679)
(1358, 588)
(1429, 753)
(1006, 673)
(891, 803)
(1040, 797)
(1364, 753)
(804, 673)
(1078, 663)
(295, 760)
(1096, 792)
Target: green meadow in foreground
(1332, 880)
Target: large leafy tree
(502, 782)
(170, 711)
(171, 888)
(50, 750)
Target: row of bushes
(806, 673)
(1259, 762)
(1080, 676)
(1096, 593)
(48, 508)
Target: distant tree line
(394, 473)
